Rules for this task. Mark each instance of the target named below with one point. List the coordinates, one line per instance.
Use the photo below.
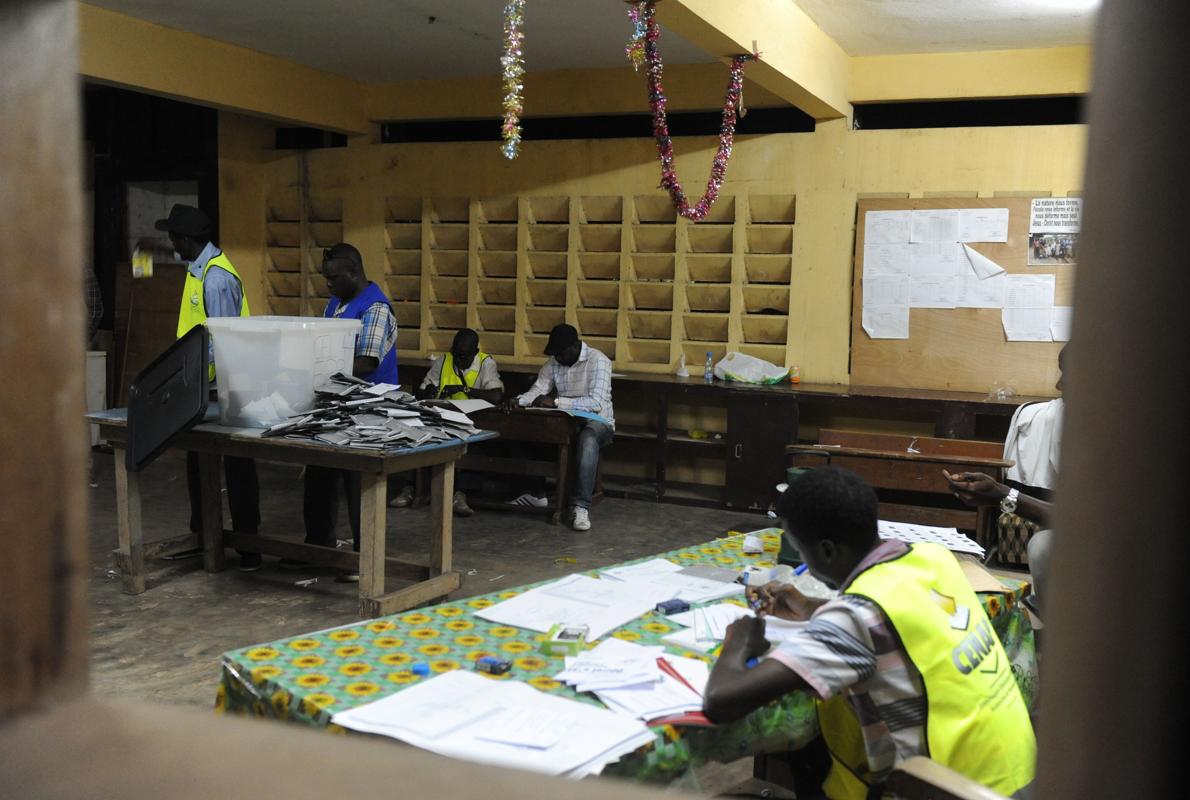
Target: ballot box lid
(167, 398)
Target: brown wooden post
(43, 441)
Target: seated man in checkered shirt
(577, 378)
(904, 662)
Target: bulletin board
(960, 349)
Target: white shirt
(1034, 442)
(585, 386)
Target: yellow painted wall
(998, 73)
(826, 170)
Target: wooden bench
(895, 464)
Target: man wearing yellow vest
(904, 662)
(212, 289)
(463, 373)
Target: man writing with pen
(903, 662)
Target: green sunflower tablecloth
(308, 678)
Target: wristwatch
(1008, 504)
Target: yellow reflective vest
(976, 719)
(450, 378)
(193, 311)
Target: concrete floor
(164, 645)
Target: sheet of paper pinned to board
(936, 258)
(886, 322)
(886, 290)
(976, 292)
(983, 224)
(886, 258)
(933, 291)
(1060, 323)
(935, 225)
(1025, 324)
(889, 227)
(1030, 291)
(981, 265)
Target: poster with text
(1053, 231)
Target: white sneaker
(529, 500)
(582, 520)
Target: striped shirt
(584, 386)
(850, 647)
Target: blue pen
(801, 568)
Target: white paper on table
(890, 227)
(454, 416)
(710, 622)
(527, 727)
(602, 605)
(950, 538)
(886, 290)
(612, 664)
(982, 266)
(886, 258)
(886, 322)
(931, 291)
(382, 388)
(1028, 324)
(426, 714)
(685, 638)
(981, 292)
(937, 258)
(935, 225)
(469, 405)
(1030, 291)
(605, 736)
(643, 570)
(667, 696)
(1060, 323)
(413, 422)
(402, 413)
(983, 225)
(752, 545)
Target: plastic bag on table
(744, 368)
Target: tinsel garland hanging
(513, 64)
(646, 32)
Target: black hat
(561, 337)
(186, 220)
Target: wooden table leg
(211, 490)
(442, 490)
(128, 528)
(563, 492)
(372, 520)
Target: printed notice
(975, 292)
(886, 290)
(1027, 324)
(889, 227)
(935, 225)
(983, 225)
(937, 258)
(886, 322)
(1030, 291)
(1053, 231)
(981, 265)
(932, 291)
(886, 258)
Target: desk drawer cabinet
(757, 430)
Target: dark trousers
(243, 493)
(320, 504)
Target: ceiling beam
(125, 51)
(798, 61)
(1051, 71)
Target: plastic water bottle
(708, 371)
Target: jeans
(320, 504)
(590, 440)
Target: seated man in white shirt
(577, 378)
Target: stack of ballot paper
(950, 538)
(705, 627)
(601, 605)
(687, 583)
(354, 413)
(506, 724)
(637, 681)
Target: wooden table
(212, 441)
(534, 426)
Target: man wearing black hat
(577, 378)
(213, 289)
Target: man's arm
(733, 690)
(978, 489)
(376, 337)
(541, 387)
(488, 385)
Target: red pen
(669, 670)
